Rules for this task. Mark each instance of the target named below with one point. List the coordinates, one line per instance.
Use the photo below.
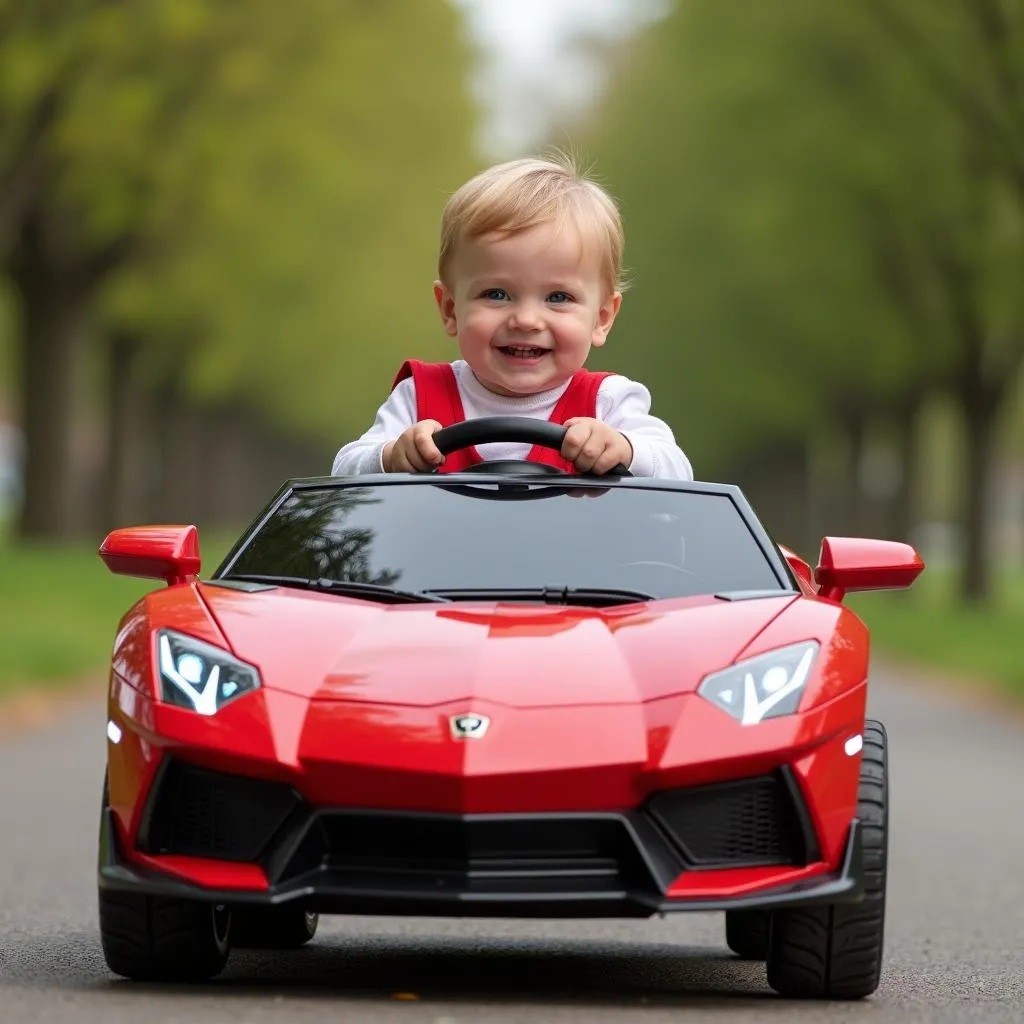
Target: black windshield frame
(512, 487)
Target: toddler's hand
(594, 447)
(413, 451)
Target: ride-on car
(503, 692)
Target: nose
(525, 316)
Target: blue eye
(497, 294)
(559, 297)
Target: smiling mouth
(522, 352)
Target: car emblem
(468, 727)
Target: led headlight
(199, 676)
(763, 687)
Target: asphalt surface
(955, 927)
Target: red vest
(437, 398)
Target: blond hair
(519, 194)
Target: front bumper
(479, 865)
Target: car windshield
(459, 540)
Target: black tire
(835, 951)
(272, 927)
(746, 933)
(154, 938)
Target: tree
(800, 200)
(970, 56)
(259, 177)
(85, 186)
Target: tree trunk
(178, 498)
(128, 428)
(903, 507)
(855, 511)
(20, 178)
(980, 417)
(773, 479)
(53, 308)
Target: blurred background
(218, 233)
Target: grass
(928, 627)
(59, 610)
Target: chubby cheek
(480, 324)
(574, 335)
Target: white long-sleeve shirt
(621, 403)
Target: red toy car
(506, 692)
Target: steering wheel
(521, 429)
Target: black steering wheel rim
(515, 429)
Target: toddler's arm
(394, 416)
(626, 405)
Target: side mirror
(168, 553)
(856, 563)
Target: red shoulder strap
(437, 394)
(578, 399)
(437, 398)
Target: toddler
(528, 282)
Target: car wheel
(746, 933)
(272, 927)
(155, 938)
(835, 951)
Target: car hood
(332, 648)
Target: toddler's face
(526, 309)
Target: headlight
(199, 676)
(762, 687)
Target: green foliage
(792, 184)
(60, 607)
(59, 611)
(300, 235)
(270, 176)
(928, 628)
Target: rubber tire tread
(154, 938)
(269, 928)
(746, 933)
(835, 951)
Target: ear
(605, 318)
(446, 307)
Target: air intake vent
(200, 813)
(741, 823)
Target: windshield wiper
(595, 596)
(350, 588)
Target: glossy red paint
(829, 778)
(212, 874)
(335, 648)
(134, 652)
(801, 569)
(591, 709)
(856, 563)
(133, 760)
(739, 881)
(843, 661)
(168, 553)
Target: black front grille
(483, 853)
(200, 813)
(196, 812)
(741, 823)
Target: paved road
(955, 937)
